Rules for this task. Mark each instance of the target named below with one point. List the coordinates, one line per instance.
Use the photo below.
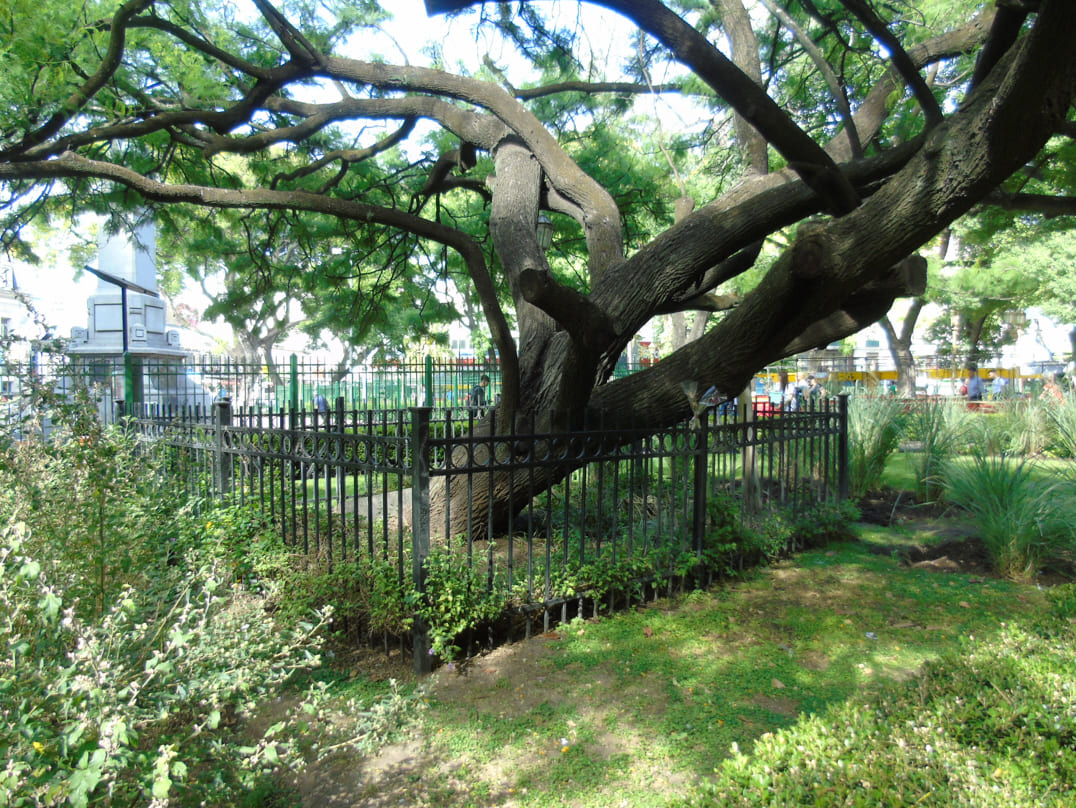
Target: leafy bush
(1025, 522)
(132, 648)
(140, 703)
(458, 597)
(989, 728)
(875, 426)
(366, 595)
(827, 523)
(100, 515)
(784, 532)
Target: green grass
(900, 470)
(837, 677)
(630, 708)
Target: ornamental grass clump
(942, 429)
(1026, 521)
(1062, 414)
(1021, 426)
(875, 426)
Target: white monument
(127, 273)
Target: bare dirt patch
(948, 542)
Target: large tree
(861, 130)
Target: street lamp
(1017, 318)
(543, 231)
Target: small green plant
(827, 523)
(1024, 521)
(368, 596)
(458, 597)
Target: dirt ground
(406, 773)
(950, 544)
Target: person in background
(815, 391)
(975, 385)
(997, 385)
(321, 404)
(788, 391)
(476, 399)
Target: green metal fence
(196, 381)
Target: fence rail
(392, 484)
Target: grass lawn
(732, 685)
(900, 472)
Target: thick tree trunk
(839, 276)
(859, 224)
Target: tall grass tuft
(1063, 415)
(1021, 426)
(875, 426)
(1026, 522)
(942, 429)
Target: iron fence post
(223, 417)
(842, 447)
(699, 483)
(340, 474)
(293, 381)
(428, 381)
(420, 529)
(752, 487)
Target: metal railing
(391, 484)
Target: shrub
(130, 647)
(138, 704)
(458, 597)
(365, 595)
(991, 727)
(100, 516)
(784, 532)
(1025, 522)
(827, 523)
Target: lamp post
(543, 232)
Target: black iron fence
(541, 513)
